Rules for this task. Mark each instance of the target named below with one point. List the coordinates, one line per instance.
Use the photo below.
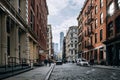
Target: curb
(49, 72)
(106, 68)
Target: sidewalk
(107, 67)
(38, 73)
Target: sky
(62, 15)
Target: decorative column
(3, 40)
(14, 41)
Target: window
(101, 18)
(119, 3)
(75, 45)
(9, 23)
(75, 51)
(96, 9)
(117, 24)
(92, 1)
(19, 5)
(95, 37)
(32, 21)
(101, 3)
(8, 45)
(101, 32)
(96, 22)
(71, 52)
(110, 29)
(71, 45)
(71, 35)
(85, 32)
(111, 9)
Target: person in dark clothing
(49, 63)
(45, 61)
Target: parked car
(82, 62)
(59, 63)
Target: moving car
(82, 62)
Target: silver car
(82, 62)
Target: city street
(73, 72)
(68, 71)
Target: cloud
(76, 3)
(71, 21)
(56, 6)
(62, 15)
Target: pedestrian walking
(49, 63)
(45, 61)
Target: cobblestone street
(74, 72)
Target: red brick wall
(87, 50)
(40, 12)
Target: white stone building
(15, 39)
(71, 44)
(50, 54)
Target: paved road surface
(73, 72)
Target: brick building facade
(38, 13)
(113, 32)
(23, 31)
(92, 30)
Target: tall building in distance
(55, 50)
(61, 40)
